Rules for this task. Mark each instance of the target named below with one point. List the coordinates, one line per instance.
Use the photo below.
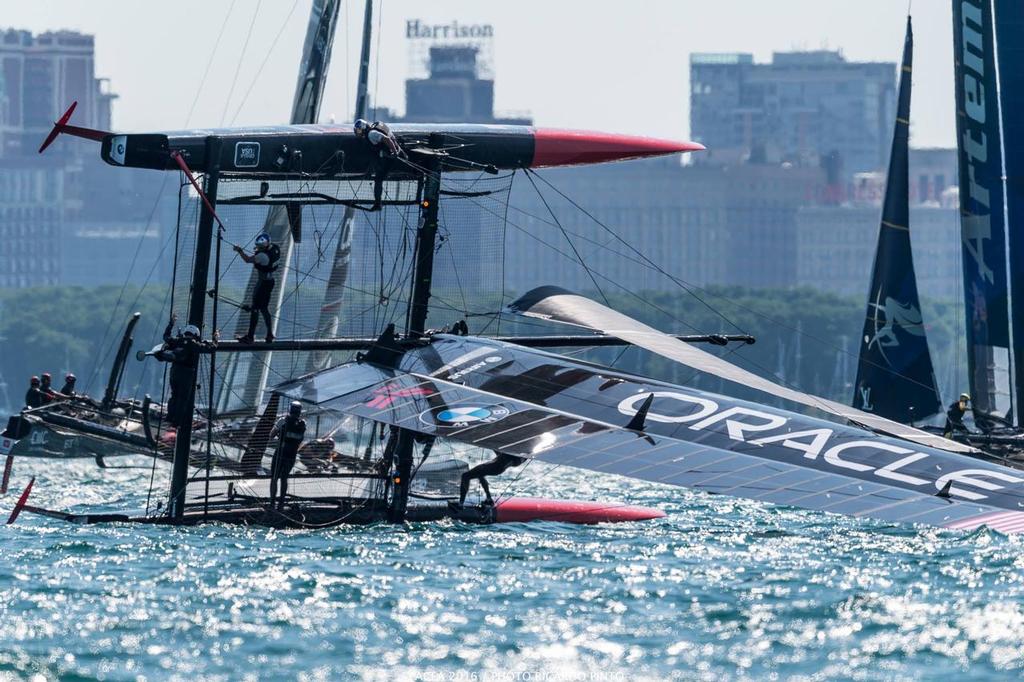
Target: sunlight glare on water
(720, 587)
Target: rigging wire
(124, 285)
(263, 64)
(575, 251)
(680, 283)
(209, 63)
(241, 60)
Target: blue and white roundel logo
(464, 415)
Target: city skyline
(592, 85)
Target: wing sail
(559, 305)
(895, 375)
(539, 405)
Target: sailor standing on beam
(182, 351)
(291, 430)
(264, 260)
(387, 149)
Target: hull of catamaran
(333, 150)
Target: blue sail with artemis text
(895, 376)
(982, 231)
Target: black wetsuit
(266, 268)
(46, 388)
(497, 466)
(35, 397)
(388, 149)
(290, 432)
(68, 389)
(183, 354)
(955, 419)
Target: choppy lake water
(719, 588)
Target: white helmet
(295, 409)
(191, 330)
(262, 241)
(361, 127)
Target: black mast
(426, 237)
(416, 319)
(117, 370)
(330, 312)
(196, 311)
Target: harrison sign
(417, 30)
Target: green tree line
(805, 337)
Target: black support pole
(426, 238)
(196, 312)
(416, 319)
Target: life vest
(273, 255)
(293, 431)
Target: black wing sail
(558, 305)
(537, 405)
(895, 376)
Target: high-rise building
(701, 223)
(31, 219)
(456, 89)
(42, 76)
(836, 244)
(57, 208)
(801, 107)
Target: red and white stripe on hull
(1008, 522)
(519, 509)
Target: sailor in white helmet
(379, 135)
(264, 259)
(182, 351)
(388, 149)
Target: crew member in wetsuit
(387, 149)
(264, 259)
(182, 351)
(34, 396)
(955, 416)
(68, 389)
(290, 430)
(318, 454)
(46, 387)
(497, 466)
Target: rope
(241, 60)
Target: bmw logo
(464, 415)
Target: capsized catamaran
(426, 387)
(895, 375)
(548, 407)
(300, 156)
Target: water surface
(720, 587)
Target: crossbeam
(547, 341)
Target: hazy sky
(616, 66)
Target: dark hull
(361, 512)
(333, 150)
